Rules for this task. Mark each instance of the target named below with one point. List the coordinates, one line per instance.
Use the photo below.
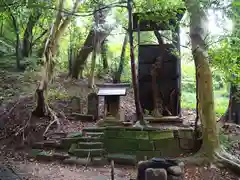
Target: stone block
(149, 154)
(83, 117)
(124, 159)
(60, 156)
(155, 135)
(94, 134)
(133, 134)
(155, 174)
(121, 144)
(93, 102)
(44, 156)
(88, 152)
(72, 148)
(175, 170)
(74, 134)
(90, 139)
(93, 129)
(186, 133)
(68, 141)
(90, 145)
(145, 145)
(111, 133)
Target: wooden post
(133, 65)
(112, 170)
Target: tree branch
(40, 36)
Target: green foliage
(189, 88)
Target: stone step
(68, 141)
(94, 134)
(83, 117)
(95, 161)
(90, 139)
(109, 122)
(57, 135)
(88, 152)
(47, 144)
(90, 145)
(48, 155)
(74, 134)
(93, 129)
(122, 158)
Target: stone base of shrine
(163, 119)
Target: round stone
(175, 170)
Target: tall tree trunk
(104, 49)
(83, 53)
(139, 111)
(198, 33)
(118, 74)
(28, 36)
(50, 51)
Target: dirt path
(54, 171)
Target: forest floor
(17, 102)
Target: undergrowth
(14, 83)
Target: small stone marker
(76, 104)
(155, 174)
(93, 105)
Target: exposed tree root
(228, 160)
(54, 119)
(221, 159)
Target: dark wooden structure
(169, 76)
(111, 93)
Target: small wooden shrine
(112, 93)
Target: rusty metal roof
(113, 85)
(112, 91)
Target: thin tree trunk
(17, 32)
(118, 74)
(18, 42)
(139, 111)
(104, 49)
(92, 72)
(198, 33)
(28, 36)
(232, 114)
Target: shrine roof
(112, 91)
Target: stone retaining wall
(148, 142)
